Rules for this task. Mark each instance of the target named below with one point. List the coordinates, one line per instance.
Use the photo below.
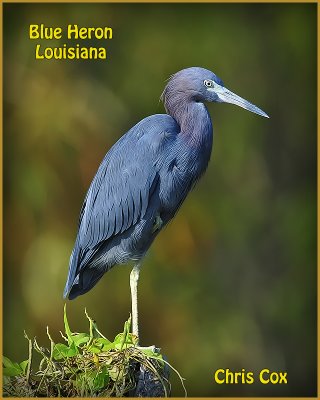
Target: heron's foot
(153, 348)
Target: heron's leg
(134, 278)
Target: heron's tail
(73, 271)
(83, 274)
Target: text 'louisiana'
(70, 53)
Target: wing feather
(119, 194)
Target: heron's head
(201, 85)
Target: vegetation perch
(89, 365)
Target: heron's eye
(208, 83)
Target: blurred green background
(231, 283)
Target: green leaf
(123, 340)
(7, 363)
(73, 350)
(61, 350)
(102, 342)
(125, 335)
(24, 365)
(14, 370)
(80, 338)
(100, 345)
(11, 368)
(101, 380)
(93, 380)
(66, 325)
(108, 347)
(94, 349)
(98, 382)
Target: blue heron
(143, 180)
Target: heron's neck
(194, 121)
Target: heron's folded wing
(119, 193)
(118, 196)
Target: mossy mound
(89, 365)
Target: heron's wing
(117, 198)
(119, 193)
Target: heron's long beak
(226, 96)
